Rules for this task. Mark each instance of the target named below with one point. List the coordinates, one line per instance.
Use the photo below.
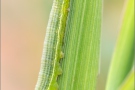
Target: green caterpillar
(52, 52)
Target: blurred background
(23, 26)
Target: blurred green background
(23, 25)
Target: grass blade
(129, 82)
(81, 46)
(122, 60)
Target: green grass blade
(129, 82)
(81, 46)
(122, 60)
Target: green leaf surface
(81, 46)
(122, 60)
(129, 82)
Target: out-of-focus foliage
(128, 84)
(123, 57)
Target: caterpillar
(52, 50)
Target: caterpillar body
(52, 51)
